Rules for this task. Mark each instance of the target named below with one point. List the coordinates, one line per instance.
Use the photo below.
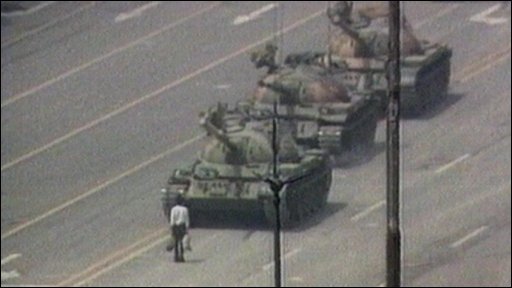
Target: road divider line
(486, 67)
(255, 14)
(89, 63)
(161, 155)
(295, 251)
(369, 210)
(112, 258)
(135, 12)
(10, 258)
(439, 14)
(482, 64)
(9, 275)
(469, 237)
(101, 186)
(128, 258)
(453, 163)
(484, 17)
(505, 189)
(155, 93)
(45, 26)
(29, 11)
(132, 255)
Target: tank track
(431, 85)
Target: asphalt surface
(100, 102)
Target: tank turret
(359, 44)
(322, 112)
(229, 173)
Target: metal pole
(276, 188)
(277, 242)
(392, 155)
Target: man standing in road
(179, 222)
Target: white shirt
(179, 215)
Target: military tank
(320, 111)
(360, 46)
(229, 173)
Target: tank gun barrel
(278, 87)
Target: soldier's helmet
(264, 57)
(341, 10)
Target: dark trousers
(178, 232)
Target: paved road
(100, 102)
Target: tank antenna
(276, 188)
(329, 31)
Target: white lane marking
(369, 210)
(223, 86)
(45, 26)
(131, 256)
(253, 15)
(476, 67)
(136, 12)
(383, 284)
(437, 15)
(114, 256)
(286, 256)
(102, 186)
(10, 258)
(296, 279)
(372, 225)
(468, 237)
(473, 202)
(160, 90)
(501, 57)
(483, 17)
(122, 261)
(29, 11)
(161, 155)
(9, 275)
(87, 64)
(453, 163)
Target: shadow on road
(434, 108)
(256, 221)
(358, 158)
